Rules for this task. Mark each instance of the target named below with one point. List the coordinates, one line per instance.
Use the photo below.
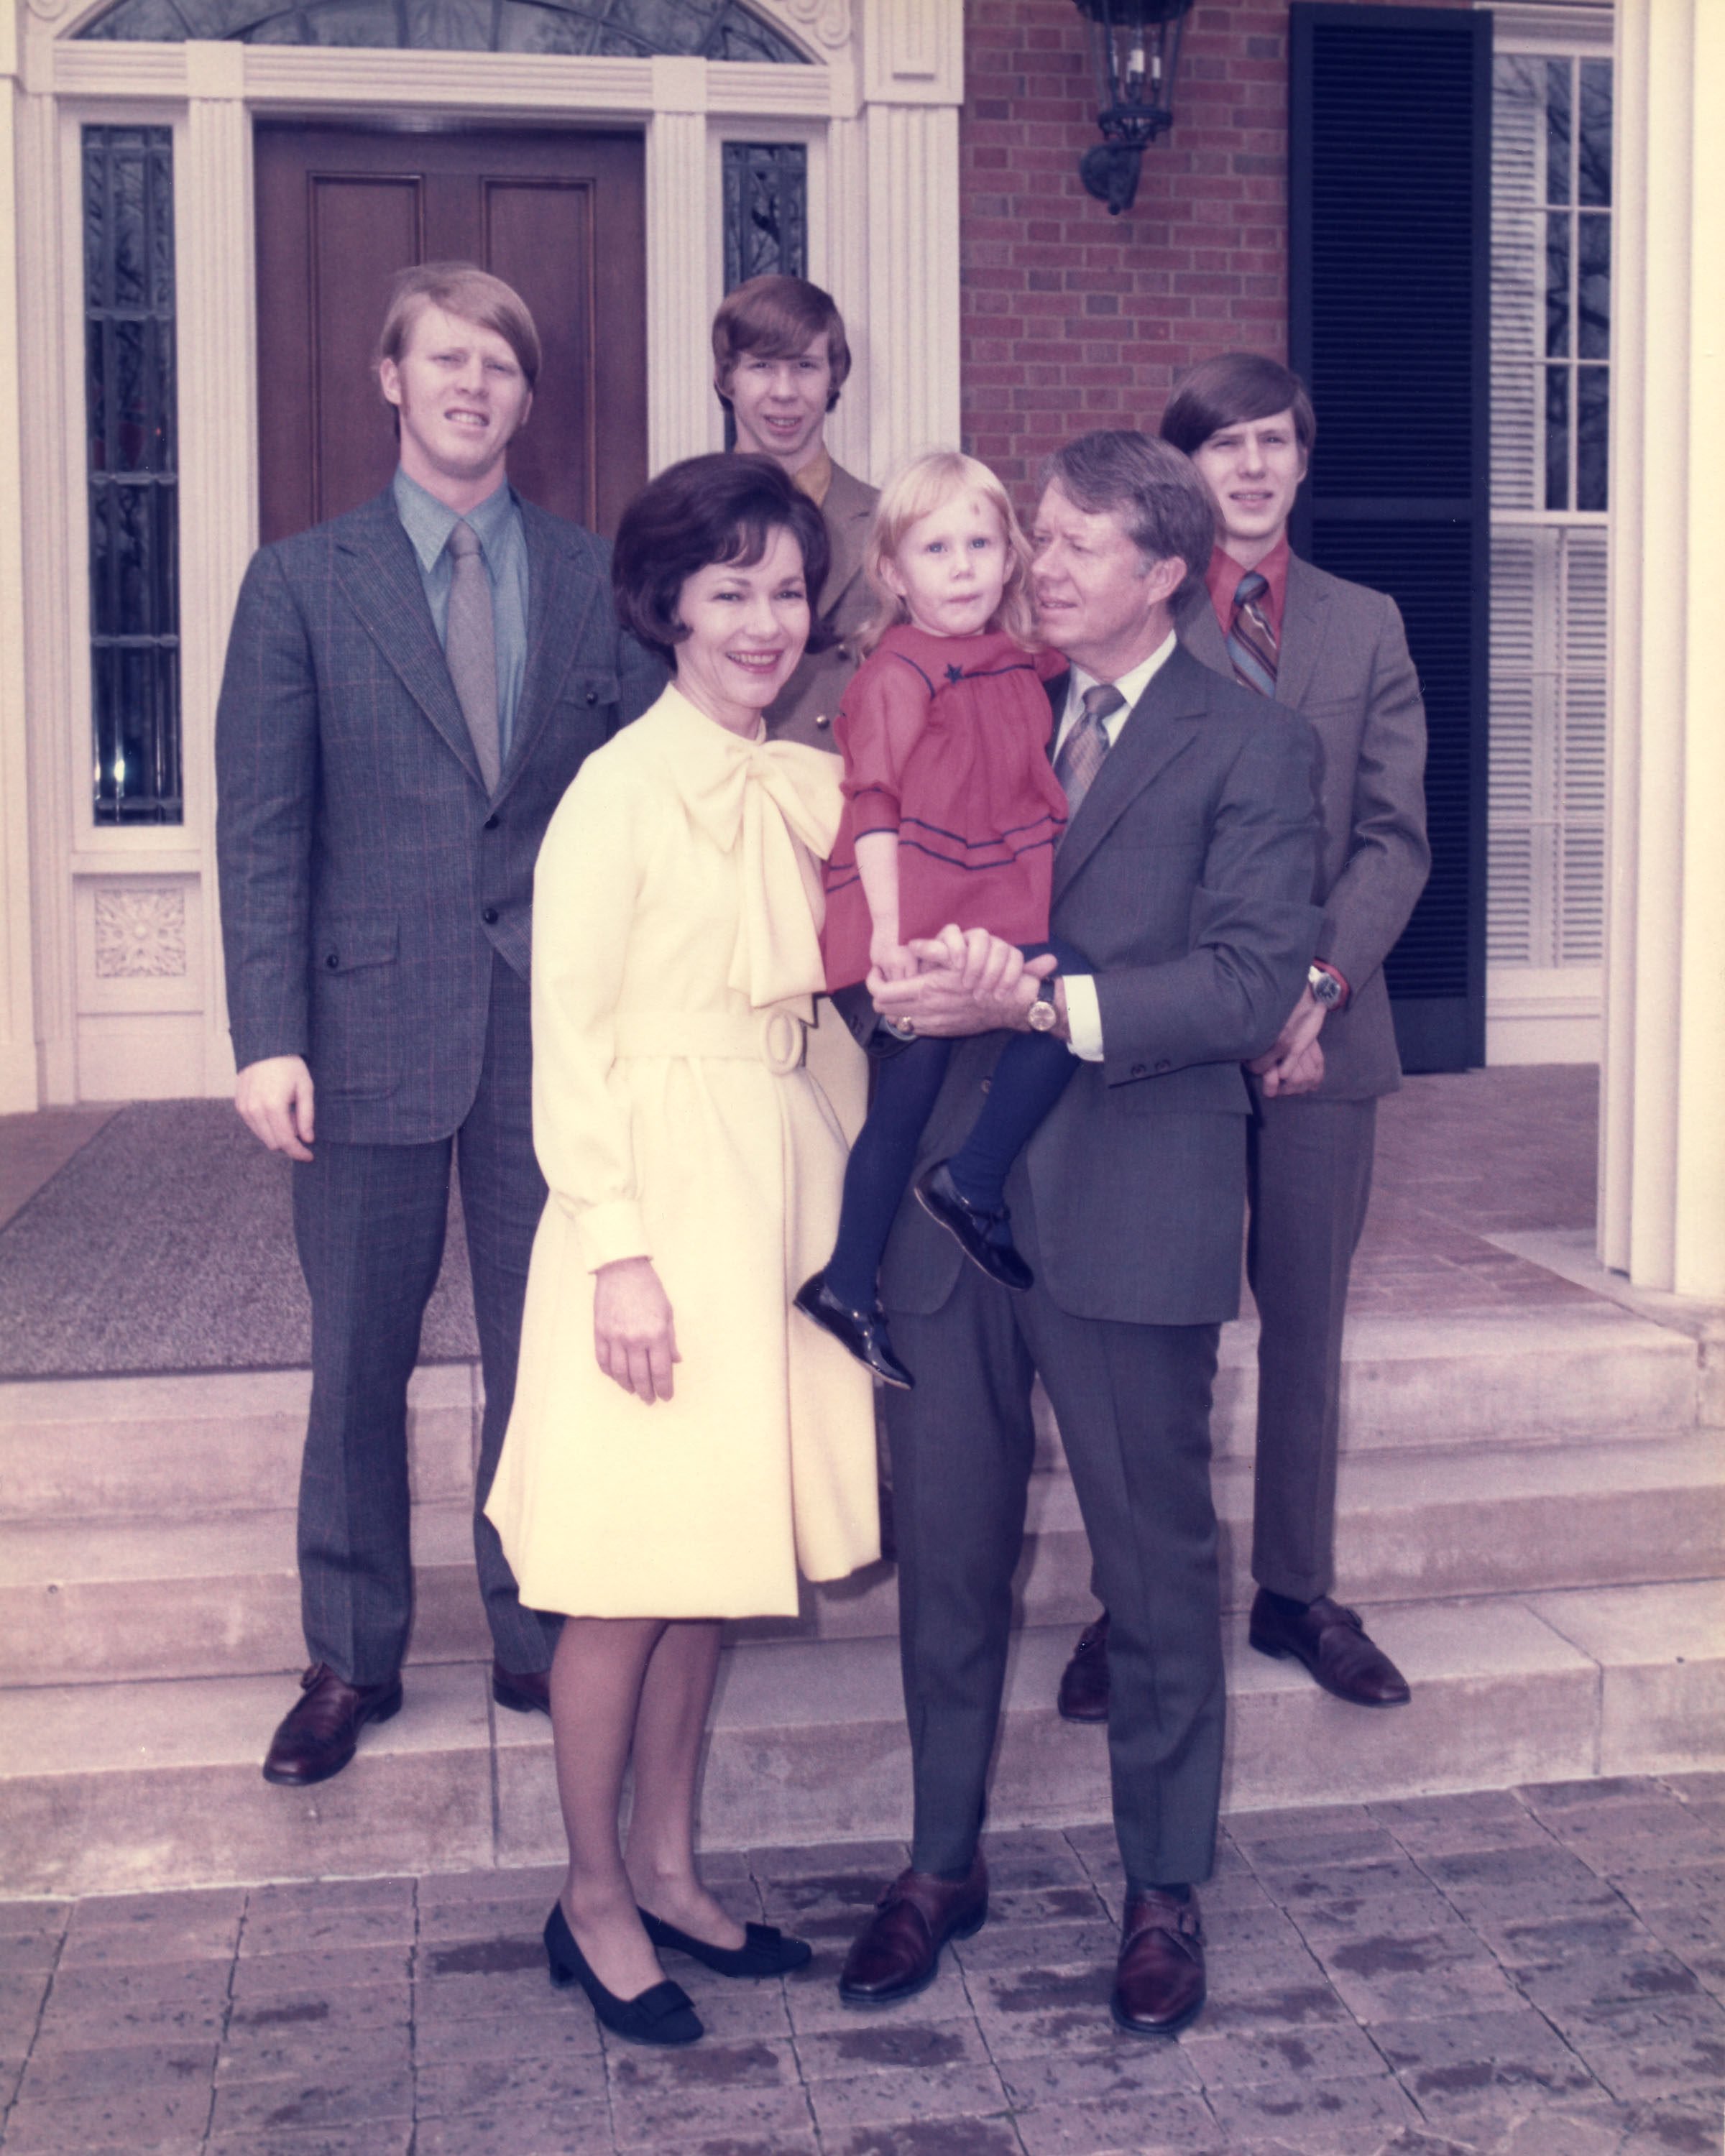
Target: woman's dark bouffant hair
(703, 510)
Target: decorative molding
(49, 10)
(816, 21)
(141, 935)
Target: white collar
(1132, 686)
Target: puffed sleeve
(883, 712)
(585, 889)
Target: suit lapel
(1159, 728)
(560, 598)
(380, 575)
(1304, 625)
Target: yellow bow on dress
(782, 802)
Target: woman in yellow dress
(681, 1446)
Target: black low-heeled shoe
(765, 1951)
(984, 1237)
(863, 1331)
(663, 2014)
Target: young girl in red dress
(952, 815)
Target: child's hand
(890, 958)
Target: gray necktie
(1086, 743)
(470, 647)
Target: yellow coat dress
(676, 955)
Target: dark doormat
(167, 1245)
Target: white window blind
(1551, 162)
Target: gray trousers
(1310, 1178)
(369, 1221)
(1133, 1403)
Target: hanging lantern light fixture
(1137, 50)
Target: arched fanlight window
(611, 30)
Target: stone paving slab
(1532, 1972)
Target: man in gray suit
(1185, 874)
(1336, 652)
(409, 690)
(780, 359)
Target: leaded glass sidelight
(766, 211)
(132, 473)
(620, 30)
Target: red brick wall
(1075, 319)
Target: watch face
(1043, 1017)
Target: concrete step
(154, 1447)
(106, 1788)
(230, 1442)
(88, 1601)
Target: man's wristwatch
(1327, 988)
(1044, 1015)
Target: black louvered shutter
(1389, 221)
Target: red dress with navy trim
(945, 741)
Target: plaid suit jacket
(367, 880)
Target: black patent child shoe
(863, 1331)
(765, 1950)
(984, 1237)
(663, 2014)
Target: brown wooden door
(557, 214)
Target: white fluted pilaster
(18, 1081)
(218, 372)
(1662, 1142)
(49, 476)
(683, 415)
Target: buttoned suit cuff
(1084, 1017)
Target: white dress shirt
(1084, 1012)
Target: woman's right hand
(633, 1336)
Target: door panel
(559, 215)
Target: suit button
(593, 695)
(1140, 1071)
(488, 914)
(822, 720)
(489, 823)
(333, 962)
(1163, 1066)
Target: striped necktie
(1086, 743)
(470, 647)
(1251, 641)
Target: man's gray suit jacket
(804, 708)
(367, 880)
(1343, 664)
(1185, 878)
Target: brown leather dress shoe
(1334, 1645)
(897, 1953)
(320, 1733)
(524, 1691)
(1083, 1695)
(1158, 1986)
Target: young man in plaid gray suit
(409, 688)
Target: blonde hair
(928, 483)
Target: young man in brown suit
(1337, 653)
(780, 359)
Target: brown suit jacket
(1344, 666)
(803, 710)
